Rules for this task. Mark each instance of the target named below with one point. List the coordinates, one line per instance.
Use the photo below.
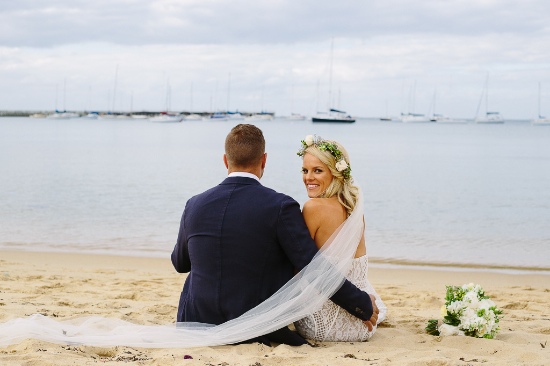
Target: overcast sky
(389, 56)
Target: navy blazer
(240, 243)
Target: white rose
(341, 165)
(455, 307)
(449, 330)
(472, 298)
(309, 140)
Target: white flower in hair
(309, 140)
(341, 165)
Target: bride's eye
(318, 170)
(304, 171)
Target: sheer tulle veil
(302, 295)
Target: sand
(146, 291)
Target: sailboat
(62, 114)
(489, 117)
(333, 115)
(165, 116)
(440, 118)
(412, 117)
(294, 116)
(541, 120)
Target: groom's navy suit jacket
(241, 242)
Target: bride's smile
(316, 176)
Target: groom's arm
(301, 249)
(180, 254)
(355, 301)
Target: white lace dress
(332, 323)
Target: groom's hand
(371, 323)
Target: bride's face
(316, 176)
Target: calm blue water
(464, 194)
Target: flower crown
(341, 165)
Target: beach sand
(146, 291)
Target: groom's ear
(264, 159)
(225, 161)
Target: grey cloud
(131, 22)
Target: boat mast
(330, 73)
(228, 91)
(540, 116)
(64, 94)
(191, 99)
(56, 96)
(487, 95)
(114, 87)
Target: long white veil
(303, 294)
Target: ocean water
(466, 195)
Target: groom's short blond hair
(244, 146)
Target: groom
(241, 242)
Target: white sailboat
(63, 115)
(541, 120)
(165, 117)
(91, 115)
(489, 117)
(332, 115)
(412, 117)
(296, 117)
(262, 116)
(235, 116)
(193, 117)
(440, 118)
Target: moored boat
(218, 116)
(193, 117)
(333, 116)
(91, 115)
(541, 121)
(296, 117)
(63, 115)
(165, 117)
(414, 118)
(439, 118)
(490, 118)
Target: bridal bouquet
(467, 311)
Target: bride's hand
(371, 323)
(374, 306)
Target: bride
(333, 197)
(297, 301)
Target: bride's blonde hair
(331, 153)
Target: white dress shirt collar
(243, 174)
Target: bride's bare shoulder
(321, 205)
